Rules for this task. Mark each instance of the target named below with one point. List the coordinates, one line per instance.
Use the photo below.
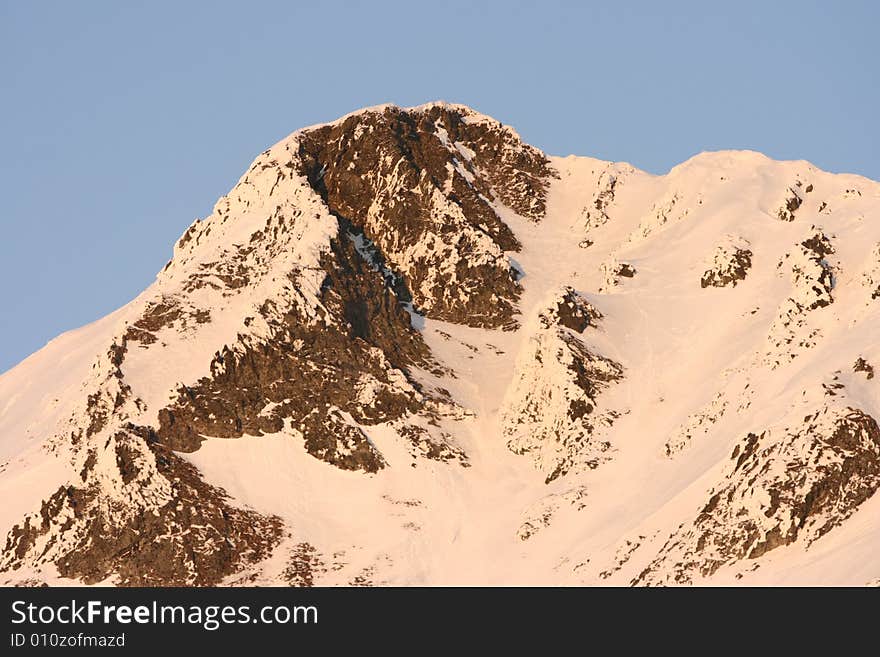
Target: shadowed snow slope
(408, 348)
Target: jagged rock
(425, 443)
(180, 531)
(612, 271)
(303, 566)
(818, 243)
(165, 313)
(422, 185)
(861, 365)
(571, 311)
(730, 263)
(812, 283)
(596, 213)
(784, 485)
(550, 412)
(311, 378)
(790, 204)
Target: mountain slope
(408, 348)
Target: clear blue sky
(121, 122)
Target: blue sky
(120, 123)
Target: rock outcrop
(551, 412)
(786, 484)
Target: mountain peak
(408, 347)
(434, 106)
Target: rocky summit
(409, 348)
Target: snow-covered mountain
(408, 348)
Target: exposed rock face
(550, 412)
(785, 485)
(861, 365)
(165, 313)
(818, 244)
(303, 566)
(596, 213)
(155, 523)
(812, 282)
(613, 271)
(134, 513)
(320, 380)
(812, 276)
(730, 262)
(790, 204)
(325, 343)
(424, 187)
(429, 442)
(571, 311)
